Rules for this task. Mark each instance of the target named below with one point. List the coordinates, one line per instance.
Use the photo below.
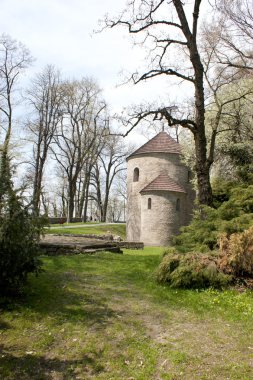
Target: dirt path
(181, 344)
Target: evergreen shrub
(232, 216)
(19, 235)
(19, 250)
(217, 247)
(237, 253)
(193, 270)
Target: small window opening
(189, 176)
(178, 205)
(136, 174)
(149, 203)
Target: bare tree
(170, 31)
(14, 59)
(45, 98)
(60, 192)
(236, 25)
(225, 86)
(234, 145)
(81, 127)
(85, 180)
(116, 209)
(110, 163)
(120, 193)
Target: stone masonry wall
(139, 220)
(163, 220)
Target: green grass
(114, 229)
(72, 224)
(104, 317)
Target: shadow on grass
(4, 325)
(65, 295)
(30, 366)
(79, 288)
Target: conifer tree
(19, 234)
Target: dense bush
(237, 253)
(231, 216)
(240, 155)
(19, 250)
(216, 249)
(192, 270)
(19, 234)
(216, 268)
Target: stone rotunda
(159, 193)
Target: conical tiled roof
(163, 183)
(161, 143)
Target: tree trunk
(83, 204)
(86, 200)
(202, 163)
(202, 168)
(71, 201)
(105, 205)
(63, 201)
(37, 183)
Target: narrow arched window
(178, 205)
(149, 203)
(136, 174)
(189, 176)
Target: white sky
(60, 32)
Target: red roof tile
(163, 183)
(161, 143)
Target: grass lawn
(104, 317)
(114, 229)
(72, 224)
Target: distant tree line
(66, 129)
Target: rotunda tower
(159, 193)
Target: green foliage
(5, 178)
(19, 233)
(240, 155)
(222, 191)
(201, 234)
(192, 270)
(231, 216)
(229, 226)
